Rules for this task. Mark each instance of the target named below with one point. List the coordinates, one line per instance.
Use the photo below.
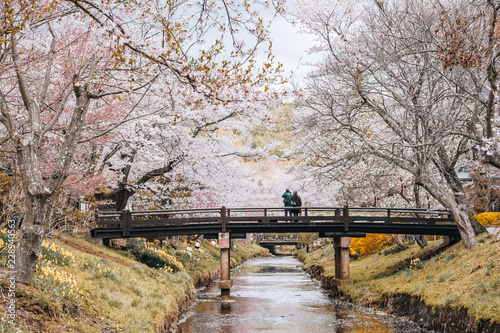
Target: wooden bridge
(339, 223)
(327, 221)
(274, 240)
(270, 241)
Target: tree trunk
(30, 237)
(478, 227)
(462, 201)
(399, 242)
(39, 190)
(125, 190)
(121, 196)
(459, 207)
(459, 213)
(461, 217)
(464, 225)
(421, 239)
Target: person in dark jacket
(287, 200)
(296, 202)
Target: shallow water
(275, 295)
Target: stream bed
(274, 294)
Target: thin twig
(486, 269)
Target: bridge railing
(279, 212)
(128, 220)
(273, 211)
(400, 215)
(107, 219)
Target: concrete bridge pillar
(225, 283)
(342, 246)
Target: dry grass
(452, 278)
(118, 294)
(112, 289)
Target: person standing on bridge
(287, 196)
(296, 202)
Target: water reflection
(275, 295)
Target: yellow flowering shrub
(489, 219)
(369, 244)
(153, 255)
(57, 282)
(50, 276)
(54, 253)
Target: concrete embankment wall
(171, 322)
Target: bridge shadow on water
(275, 270)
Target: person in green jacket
(287, 196)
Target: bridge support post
(342, 246)
(225, 283)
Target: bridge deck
(328, 221)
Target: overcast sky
(290, 47)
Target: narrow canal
(275, 295)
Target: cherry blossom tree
(48, 82)
(150, 153)
(380, 92)
(468, 46)
(73, 71)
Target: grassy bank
(82, 287)
(456, 277)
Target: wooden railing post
(346, 218)
(223, 218)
